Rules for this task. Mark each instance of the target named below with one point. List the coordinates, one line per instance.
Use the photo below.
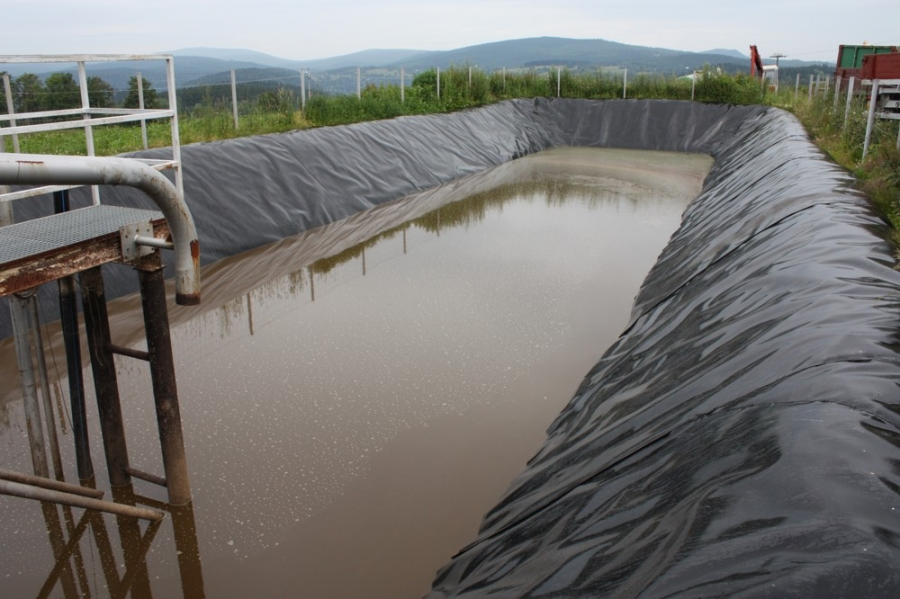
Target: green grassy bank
(462, 87)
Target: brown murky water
(356, 398)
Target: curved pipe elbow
(27, 169)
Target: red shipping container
(881, 66)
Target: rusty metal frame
(36, 169)
(24, 274)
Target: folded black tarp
(741, 438)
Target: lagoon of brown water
(356, 398)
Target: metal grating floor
(35, 237)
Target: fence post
(140, 86)
(438, 83)
(303, 90)
(234, 99)
(88, 130)
(837, 93)
(810, 87)
(358, 85)
(693, 84)
(558, 82)
(10, 111)
(625, 85)
(504, 78)
(849, 100)
(870, 122)
(470, 77)
(402, 84)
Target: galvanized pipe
(38, 169)
(28, 492)
(153, 242)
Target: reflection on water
(355, 398)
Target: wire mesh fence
(217, 105)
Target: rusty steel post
(162, 374)
(106, 384)
(71, 340)
(68, 313)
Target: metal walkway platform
(45, 249)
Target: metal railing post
(10, 110)
(88, 129)
(140, 90)
(176, 140)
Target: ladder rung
(128, 352)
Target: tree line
(60, 91)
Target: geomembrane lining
(742, 437)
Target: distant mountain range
(201, 66)
(725, 52)
(366, 58)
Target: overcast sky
(299, 29)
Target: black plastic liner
(248, 192)
(741, 438)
